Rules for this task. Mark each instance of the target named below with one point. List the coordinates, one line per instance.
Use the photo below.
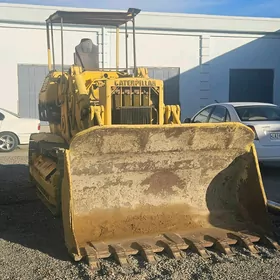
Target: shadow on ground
(23, 218)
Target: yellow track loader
(125, 175)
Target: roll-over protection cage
(109, 19)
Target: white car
(15, 131)
(262, 118)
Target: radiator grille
(132, 115)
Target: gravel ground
(32, 245)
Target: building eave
(36, 14)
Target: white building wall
(232, 52)
(204, 47)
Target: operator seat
(86, 55)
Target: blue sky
(264, 8)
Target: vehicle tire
(8, 142)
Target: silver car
(262, 118)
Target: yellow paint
(67, 210)
(89, 90)
(254, 151)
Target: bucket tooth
(102, 250)
(145, 250)
(270, 242)
(221, 244)
(175, 238)
(118, 252)
(170, 248)
(244, 241)
(198, 246)
(92, 258)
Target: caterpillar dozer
(123, 173)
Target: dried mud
(110, 225)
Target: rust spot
(162, 181)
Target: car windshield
(258, 113)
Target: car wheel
(8, 142)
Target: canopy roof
(94, 18)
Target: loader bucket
(146, 189)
